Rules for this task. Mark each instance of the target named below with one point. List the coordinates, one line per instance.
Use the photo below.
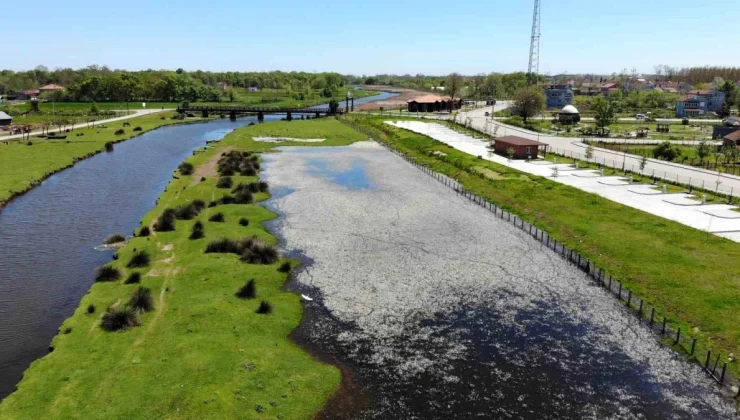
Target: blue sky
(380, 36)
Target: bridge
(234, 110)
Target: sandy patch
(390, 104)
(210, 168)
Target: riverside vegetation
(683, 272)
(24, 164)
(185, 327)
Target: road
(134, 114)
(573, 146)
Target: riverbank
(25, 164)
(686, 274)
(202, 352)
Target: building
(523, 148)
(50, 88)
(609, 87)
(433, 103)
(5, 119)
(729, 126)
(23, 95)
(569, 115)
(733, 137)
(700, 102)
(558, 96)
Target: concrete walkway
(718, 219)
(134, 114)
(572, 146)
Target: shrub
(284, 267)
(165, 221)
(133, 278)
(212, 204)
(140, 259)
(260, 254)
(248, 291)
(189, 211)
(137, 128)
(109, 146)
(250, 171)
(263, 187)
(264, 308)
(218, 217)
(67, 330)
(141, 300)
(186, 168)
(91, 309)
(243, 222)
(230, 246)
(119, 319)
(114, 239)
(224, 182)
(107, 273)
(144, 231)
(243, 194)
(197, 231)
(254, 187)
(120, 132)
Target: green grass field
(202, 353)
(23, 166)
(688, 275)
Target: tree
(454, 84)
(529, 102)
(643, 163)
(589, 152)
(666, 151)
(703, 150)
(510, 153)
(605, 111)
(333, 106)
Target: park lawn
(202, 353)
(23, 166)
(688, 275)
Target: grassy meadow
(688, 275)
(24, 164)
(202, 352)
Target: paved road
(574, 146)
(136, 113)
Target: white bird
(306, 298)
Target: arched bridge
(234, 110)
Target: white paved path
(718, 219)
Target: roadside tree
(529, 102)
(702, 151)
(605, 112)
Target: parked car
(640, 116)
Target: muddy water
(440, 310)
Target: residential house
(433, 103)
(50, 88)
(700, 102)
(23, 95)
(729, 125)
(608, 87)
(522, 148)
(637, 83)
(733, 137)
(5, 119)
(558, 96)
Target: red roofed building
(433, 103)
(523, 148)
(50, 88)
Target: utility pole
(534, 46)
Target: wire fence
(668, 330)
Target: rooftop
(519, 141)
(429, 99)
(734, 136)
(51, 86)
(4, 116)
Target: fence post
(706, 363)
(714, 368)
(678, 336)
(640, 311)
(722, 376)
(610, 282)
(665, 320)
(693, 346)
(620, 290)
(629, 298)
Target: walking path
(134, 114)
(718, 219)
(573, 146)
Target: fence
(647, 314)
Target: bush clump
(252, 250)
(133, 278)
(137, 128)
(119, 319)
(243, 222)
(115, 238)
(248, 291)
(186, 168)
(224, 182)
(165, 221)
(139, 259)
(107, 273)
(264, 308)
(141, 300)
(284, 267)
(197, 231)
(189, 211)
(91, 309)
(120, 132)
(109, 146)
(218, 217)
(242, 194)
(143, 232)
(233, 162)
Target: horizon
(352, 40)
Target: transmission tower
(534, 47)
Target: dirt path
(210, 168)
(391, 103)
